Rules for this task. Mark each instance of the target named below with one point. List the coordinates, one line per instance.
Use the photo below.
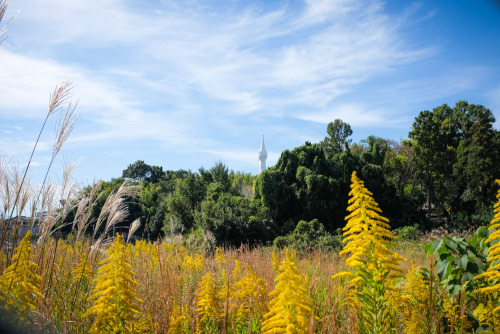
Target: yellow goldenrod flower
(492, 274)
(115, 304)
(367, 238)
(290, 311)
(367, 234)
(209, 304)
(20, 282)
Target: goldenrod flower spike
(290, 311)
(20, 282)
(367, 238)
(115, 302)
(367, 233)
(209, 304)
(492, 274)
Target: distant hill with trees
(443, 175)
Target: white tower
(262, 156)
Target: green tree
(220, 174)
(186, 199)
(304, 185)
(137, 171)
(234, 220)
(140, 171)
(338, 132)
(477, 161)
(435, 136)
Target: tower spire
(262, 156)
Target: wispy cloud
(177, 74)
(245, 157)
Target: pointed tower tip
(262, 156)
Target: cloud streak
(178, 75)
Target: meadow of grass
(95, 281)
(169, 287)
(87, 282)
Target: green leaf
(464, 260)
(437, 245)
(428, 248)
(442, 270)
(454, 287)
(473, 240)
(451, 244)
(467, 276)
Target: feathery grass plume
(60, 96)
(63, 129)
(367, 238)
(115, 303)
(3, 30)
(67, 199)
(115, 209)
(84, 204)
(135, 225)
(209, 305)
(492, 274)
(20, 283)
(290, 310)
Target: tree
(338, 132)
(186, 199)
(137, 171)
(234, 220)
(140, 171)
(435, 136)
(477, 160)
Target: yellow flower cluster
(20, 282)
(367, 234)
(367, 238)
(290, 311)
(493, 272)
(115, 302)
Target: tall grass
(187, 291)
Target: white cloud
(243, 157)
(354, 114)
(175, 74)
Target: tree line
(442, 175)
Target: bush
(307, 235)
(408, 232)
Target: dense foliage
(441, 176)
(78, 285)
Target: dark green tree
(186, 199)
(477, 161)
(137, 171)
(235, 220)
(140, 171)
(338, 132)
(304, 185)
(435, 137)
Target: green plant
(407, 232)
(458, 261)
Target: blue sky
(183, 84)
